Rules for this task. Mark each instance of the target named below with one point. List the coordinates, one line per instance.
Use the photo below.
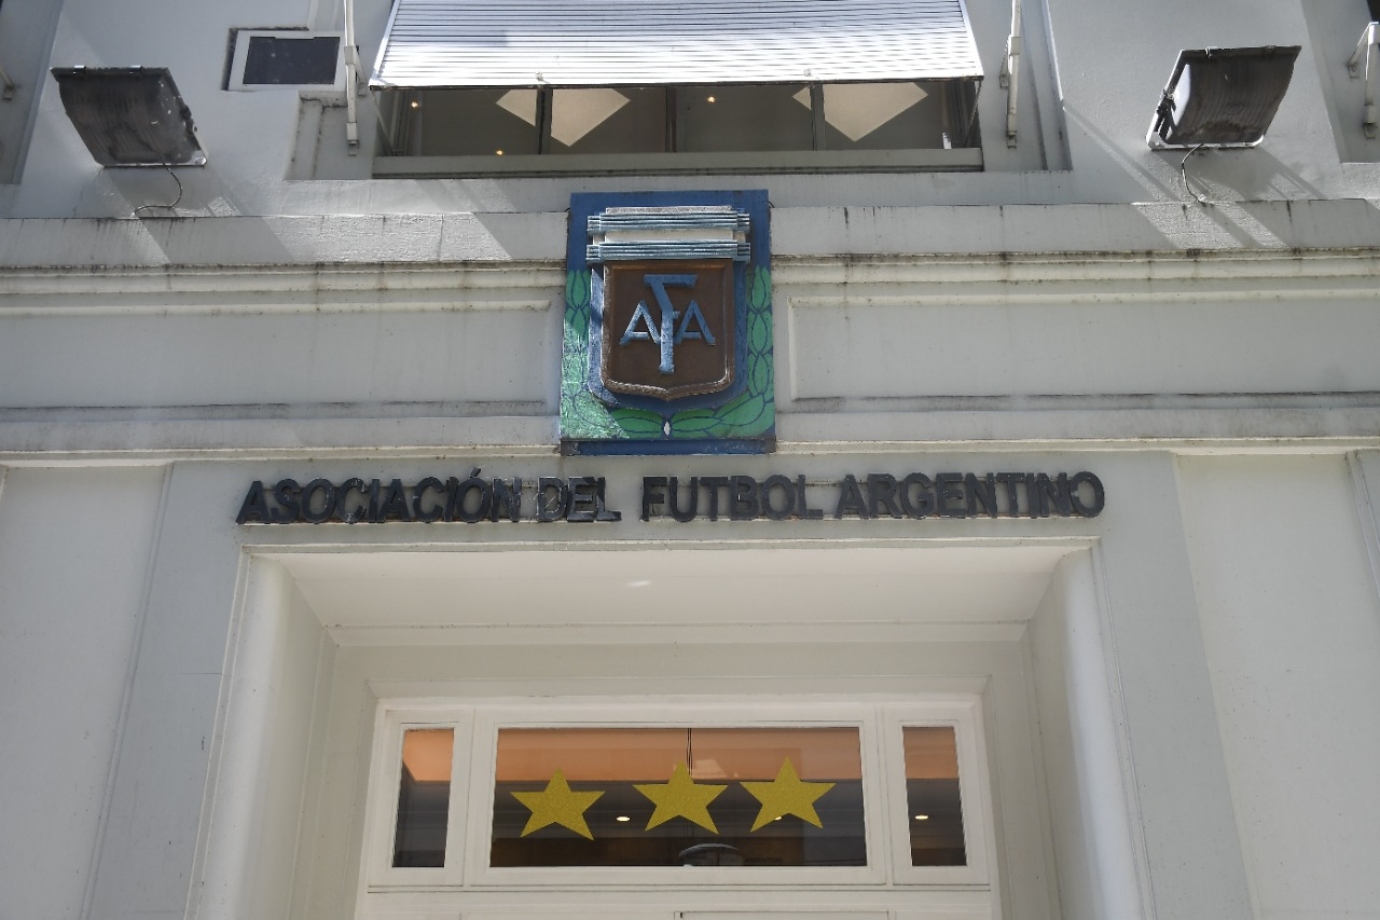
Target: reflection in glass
(678, 797)
(885, 116)
(424, 797)
(934, 809)
(607, 120)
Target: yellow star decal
(681, 797)
(788, 794)
(558, 804)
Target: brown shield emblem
(668, 327)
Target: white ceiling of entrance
(634, 595)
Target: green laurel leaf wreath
(752, 412)
(582, 416)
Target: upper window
(652, 85)
(868, 795)
(694, 795)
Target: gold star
(558, 804)
(787, 795)
(681, 797)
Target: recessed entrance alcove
(331, 644)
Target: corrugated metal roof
(454, 43)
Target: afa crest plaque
(668, 340)
(668, 328)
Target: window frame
(239, 57)
(973, 785)
(476, 724)
(957, 159)
(385, 773)
(959, 103)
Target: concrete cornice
(1192, 426)
(1173, 265)
(336, 288)
(801, 282)
(502, 237)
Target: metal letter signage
(668, 339)
(584, 499)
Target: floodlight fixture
(1222, 97)
(130, 116)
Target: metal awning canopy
(505, 43)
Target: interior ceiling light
(858, 109)
(130, 116)
(1222, 97)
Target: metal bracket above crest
(629, 234)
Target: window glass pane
(885, 116)
(682, 796)
(608, 120)
(470, 122)
(272, 59)
(706, 119)
(934, 810)
(424, 797)
(744, 118)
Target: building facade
(1024, 566)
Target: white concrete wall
(1332, 29)
(1291, 625)
(154, 810)
(1093, 78)
(75, 547)
(26, 33)
(1088, 774)
(260, 766)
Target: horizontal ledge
(847, 298)
(534, 279)
(1000, 241)
(169, 305)
(644, 164)
(1069, 428)
(1188, 267)
(480, 281)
